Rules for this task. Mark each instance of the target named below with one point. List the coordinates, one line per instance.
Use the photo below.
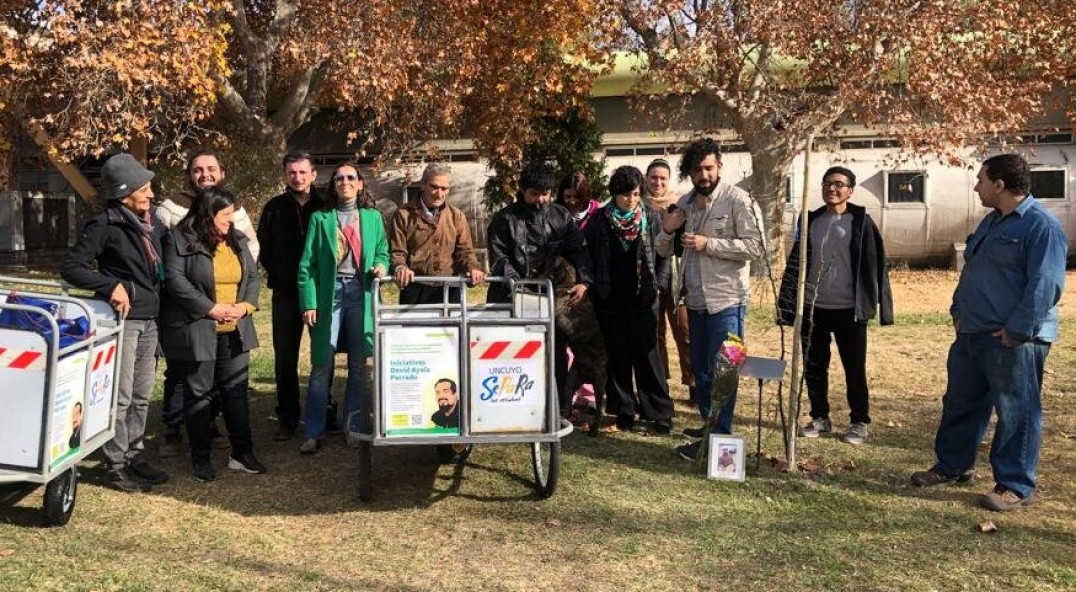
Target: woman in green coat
(345, 250)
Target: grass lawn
(628, 514)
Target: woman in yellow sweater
(206, 325)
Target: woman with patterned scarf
(621, 237)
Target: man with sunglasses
(847, 285)
(430, 237)
(282, 234)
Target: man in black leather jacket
(522, 240)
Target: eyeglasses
(340, 178)
(834, 184)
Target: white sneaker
(816, 428)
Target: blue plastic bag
(71, 330)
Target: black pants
(851, 338)
(226, 377)
(631, 340)
(287, 335)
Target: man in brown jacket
(430, 237)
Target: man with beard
(522, 240)
(204, 170)
(282, 233)
(429, 236)
(448, 411)
(719, 227)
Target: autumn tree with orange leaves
(935, 74)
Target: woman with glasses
(345, 250)
(206, 326)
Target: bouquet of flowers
(730, 356)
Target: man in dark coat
(118, 257)
(282, 234)
(522, 240)
(847, 285)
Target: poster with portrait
(68, 407)
(726, 460)
(420, 381)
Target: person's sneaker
(309, 446)
(171, 443)
(1003, 499)
(147, 472)
(663, 427)
(246, 463)
(695, 432)
(121, 480)
(931, 478)
(856, 434)
(816, 428)
(284, 432)
(203, 471)
(625, 423)
(689, 451)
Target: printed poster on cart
(68, 407)
(98, 410)
(508, 379)
(420, 379)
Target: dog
(579, 326)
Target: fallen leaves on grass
(987, 526)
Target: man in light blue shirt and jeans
(1005, 314)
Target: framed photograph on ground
(726, 460)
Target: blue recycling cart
(59, 402)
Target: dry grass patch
(628, 514)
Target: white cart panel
(508, 379)
(23, 360)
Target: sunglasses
(339, 178)
(834, 184)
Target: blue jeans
(706, 333)
(348, 324)
(984, 375)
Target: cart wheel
(545, 457)
(60, 498)
(453, 453)
(365, 476)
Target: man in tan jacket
(720, 228)
(430, 237)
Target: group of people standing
(648, 260)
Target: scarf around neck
(626, 226)
(144, 224)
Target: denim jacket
(1014, 275)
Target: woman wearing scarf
(620, 237)
(574, 194)
(206, 326)
(346, 248)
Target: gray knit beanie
(122, 175)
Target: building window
(905, 187)
(1048, 183)
(788, 189)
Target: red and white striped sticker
(21, 359)
(104, 356)
(506, 350)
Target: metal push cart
(497, 361)
(58, 403)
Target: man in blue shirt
(1005, 315)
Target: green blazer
(317, 275)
